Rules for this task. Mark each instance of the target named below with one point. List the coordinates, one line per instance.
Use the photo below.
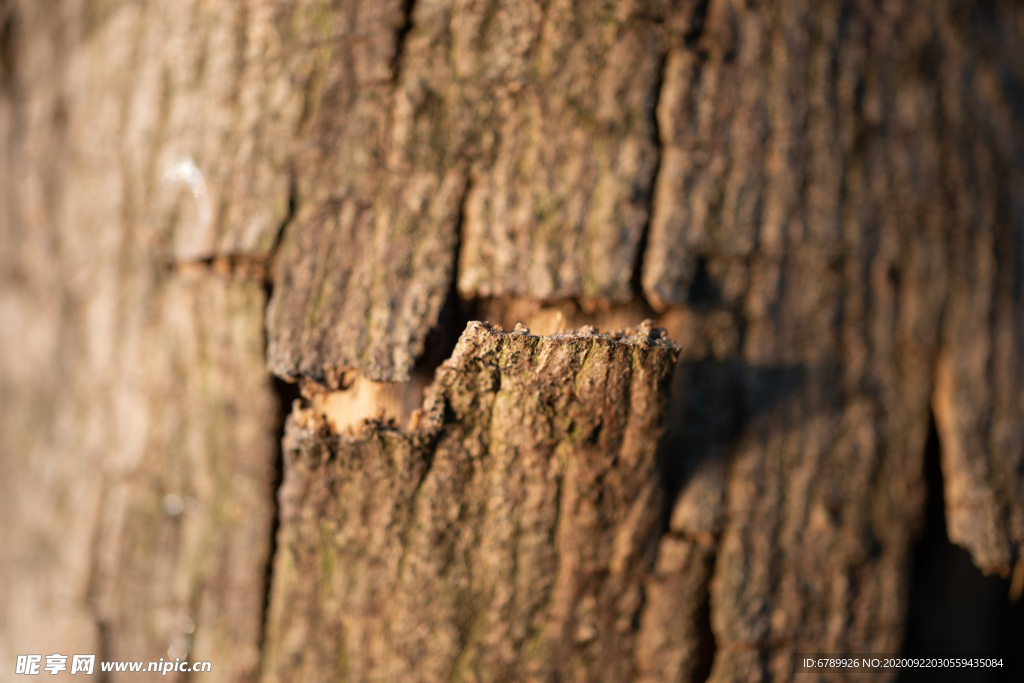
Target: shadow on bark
(710, 402)
(954, 608)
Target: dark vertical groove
(708, 645)
(636, 283)
(953, 608)
(400, 36)
(455, 313)
(697, 20)
(286, 394)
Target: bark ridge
(506, 537)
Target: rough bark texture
(821, 201)
(506, 538)
(537, 119)
(875, 156)
(138, 421)
(365, 265)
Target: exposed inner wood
(369, 400)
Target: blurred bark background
(216, 213)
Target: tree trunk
(208, 206)
(506, 536)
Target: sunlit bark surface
(208, 205)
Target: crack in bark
(659, 147)
(233, 266)
(455, 313)
(708, 648)
(400, 37)
(241, 265)
(287, 394)
(697, 22)
(938, 564)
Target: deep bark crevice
(708, 646)
(286, 393)
(953, 608)
(697, 20)
(456, 312)
(638, 262)
(400, 35)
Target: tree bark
(820, 201)
(506, 537)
